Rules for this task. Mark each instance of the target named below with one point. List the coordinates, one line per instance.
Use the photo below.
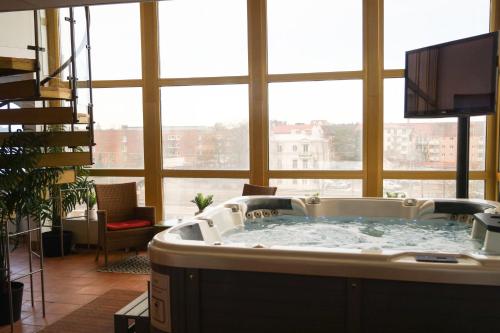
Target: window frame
(372, 74)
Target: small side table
(166, 224)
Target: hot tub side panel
(396, 306)
(220, 301)
(247, 302)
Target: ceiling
(15, 5)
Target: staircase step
(56, 139)
(83, 118)
(65, 159)
(14, 66)
(25, 90)
(37, 116)
(56, 93)
(68, 176)
(61, 159)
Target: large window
(277, 92)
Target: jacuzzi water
(356, 233)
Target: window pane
(410, 24)
(178, 193)
(115, 37)
(315, 125)
(429, 188)
(116, 42)
(324, 187)
(425, 144)
(314, 35)
(205, 127)
(118, 127)
(203, 38)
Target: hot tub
(210, 274)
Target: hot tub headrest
(191, 232)
(460, 207)
(269, 203)
(293, 205)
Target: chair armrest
(102, 220)
(147, 213)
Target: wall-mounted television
(453, 79)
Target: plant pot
(52, 243)
(92, 214)
(17, 301)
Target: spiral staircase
(48, 106)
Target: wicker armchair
(121, 224)
(249, 189)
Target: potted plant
(89, 198)
(23, 191)
(81, 191)
(202, 202)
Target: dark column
(463, 132)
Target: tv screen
(453, 79)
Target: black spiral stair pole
(91, 99)
(73, 76)
(37, 54)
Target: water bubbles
(356, 233)
(371, 231)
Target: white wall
(17, 32)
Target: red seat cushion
(130, 224)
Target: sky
(208, 38)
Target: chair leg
(105, 256)
(97, 253)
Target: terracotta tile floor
(70, 282)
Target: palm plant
(81, 191)
(202, 201)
